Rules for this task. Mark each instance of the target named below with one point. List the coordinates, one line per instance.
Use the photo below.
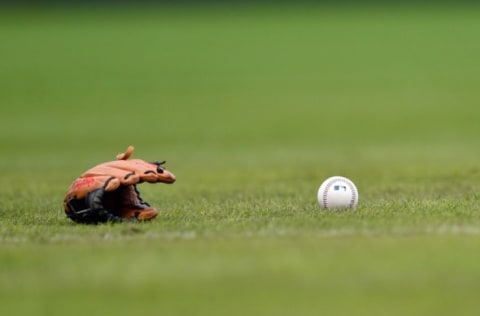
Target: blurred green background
(330, 88)
(252, 106)
(237, 78)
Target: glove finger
(149, 176)
(112, 184)
(129, 178)
(117, 169)
(153, 177)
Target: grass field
(252, 108)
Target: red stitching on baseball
(325, 191)
(354, 193)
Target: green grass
(252, 108)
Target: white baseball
(337, 192)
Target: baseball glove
(108, 192)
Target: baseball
(337, 192)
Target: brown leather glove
(108, 192)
